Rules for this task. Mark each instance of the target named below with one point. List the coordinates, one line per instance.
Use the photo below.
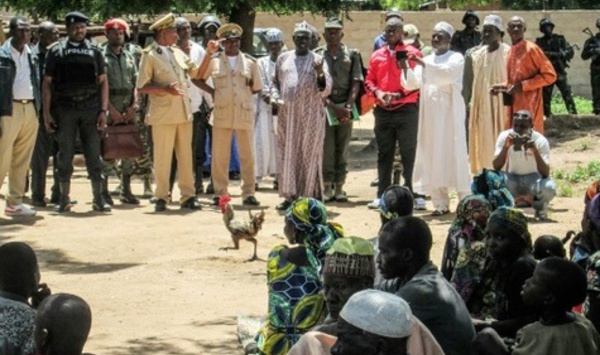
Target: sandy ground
(158, 283)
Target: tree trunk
(244, 15)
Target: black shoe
(275, 185)
(283, 206)
(161, 205)
(250, 201)
(55, 198)
(192, 204)
(39, 203)
(210, 189)
(215, 201)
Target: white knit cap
(444, 26)
(495, 21)
(274, 35)
(380, 313)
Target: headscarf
(309, 216)
(492, 185)
(591, 191)
(515, 221)
(470, 210)
(593, 212)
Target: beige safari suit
(233, 112)
(170, 117)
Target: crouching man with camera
(524, 154)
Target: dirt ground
(158, 283)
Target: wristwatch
(103, 110)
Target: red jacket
(384, 74)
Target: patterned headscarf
(309, 216)
(492, 185)
(515, 221)
(471, 212)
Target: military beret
(116, 24)
(334, 22)
(229, 31)
(167, 21)
(76, 16)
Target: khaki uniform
(233, 112)
(170, 116)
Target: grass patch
(584, 106)
(581, 174)
(565, 190)
(583, 145)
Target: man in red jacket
(397, 110)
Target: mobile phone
(401, 55)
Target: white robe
(265, 142)
(441, 161)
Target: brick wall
(362, 28)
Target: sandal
(438, 213)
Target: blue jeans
(543, 190)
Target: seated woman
(492, 185)
(496, 302)
(464, 252)
(396, 201)
(296, 301)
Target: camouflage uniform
(589, 52)
(559, 52)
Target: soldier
(19, 105)
(591, 50)
(346, 72)
(560, 52)
(75, 96)
(236, 79)
(45, 145)
(469, 37)
(121, 73)
(162, 76)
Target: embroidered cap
(76, 16)
(351, 256)
(494, 20)
(445, 27)
(274, 35)
(229, 31)
(303, 27)
(378, 312)
(167, 21)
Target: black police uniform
(559, 52)
(589, 52)
(76, 103)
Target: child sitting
(546, 246)
(556, 286)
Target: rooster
(239, 229)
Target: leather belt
(24, 102)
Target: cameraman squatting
(524, 155)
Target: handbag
(122, 141)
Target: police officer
(345, 67)
(121, 73)
(560, 52)
(75, 97)
(163, 71)
(236, 79)
(591, 50)
(469, 37)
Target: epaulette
(250, 57)
(147, 49)
(52, 45)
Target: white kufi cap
(495, 21)
(380, 313)
(274, 35)
(444, 26)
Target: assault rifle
(596, 42)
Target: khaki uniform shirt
(122, 74)
(234, 99)
(344, 69)
(159, 68)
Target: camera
(401, 55)
(518, 141)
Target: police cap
(168, 21)
(229, 31)
(546, 22)
(76, 16)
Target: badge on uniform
(158, 50)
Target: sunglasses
(521, 116)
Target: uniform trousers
(167, 138)
(595, 81)
(565, 91)
(335, 152)
(19, 132)
(45, 147)
(221, 154)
